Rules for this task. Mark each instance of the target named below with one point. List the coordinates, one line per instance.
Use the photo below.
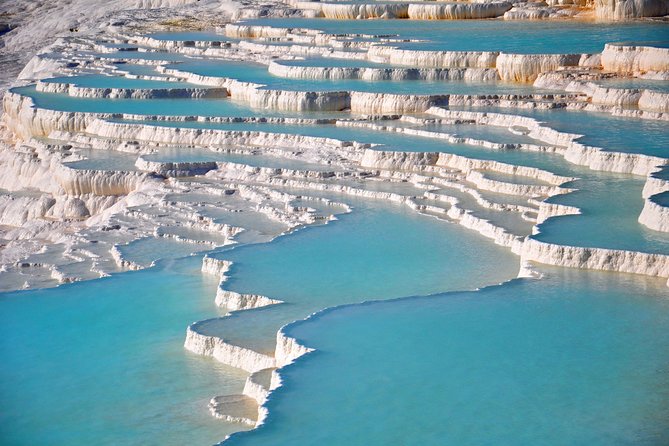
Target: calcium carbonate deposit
(195, 194)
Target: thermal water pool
(161, 107)
(617, 212)
(491, 35)
(376, 251)
(573, 356)
(568, 359)
(102, 361)
(149, 390)
(257, 73)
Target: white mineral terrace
(80, 191)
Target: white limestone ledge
(656, 182)
(623, 58)
(573, 151)
(582, 81)
(631, 97)
(295, 71)
(347, 11)
(395, 160)
(432, 59)
(256, 95)
(224, 352)
(234, 301)
(130, 93)
(242, 31)
(26, 120)
(42, 171)
(214, 137)
(165, 44)
(288, 349)
(655, 215)
(548, 210)
(629, 9)
(451, 138)
(383, 103)
(175, 169)
(416, 11)
(656, 265)
(258, 385)
(122, 262)
(215, 267)
(599, 159)
(457, 10)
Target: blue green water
(376, 252)
(613, 133)
(390, 141)
(491, 35)
(123, 335)
(594, 195)
(575, 359)
(634, 135)
(102, 362)
(610, 206)
(164, 107)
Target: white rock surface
(629, 9)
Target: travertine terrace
(81, 185)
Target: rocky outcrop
(457, 10)
(623, 58)
(630, 9)
(415, 11)
(655, 215)
(654, 101)
(288, 349)
(16, 211)
(27, 121)
(344, 11)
